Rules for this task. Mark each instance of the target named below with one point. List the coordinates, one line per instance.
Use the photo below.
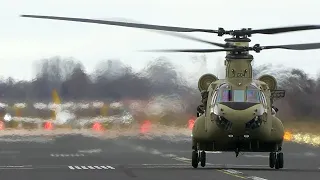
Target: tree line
(115, 81)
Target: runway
(82, 158)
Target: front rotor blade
(284, 29)
(124, 24)
(189, 50)
(179, 35)
(183, 36)
(306, 46)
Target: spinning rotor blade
(283, 29)
(190, 50)
(183, 36)
(256, 48)
(182, 29)
(307, 46)
(124, 24)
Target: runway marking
(165, 164)
(213, 152)
(16, 167)
(256, 156)
(66, 155)
(9, 152)
(240, 174)
(26, 139)
(156, 152)
(90, 151)
(90, 167)
(230, 172)
(168, 155)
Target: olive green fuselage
(262, 139)
(234, 127)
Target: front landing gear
(203, 158)
(195, 159)
(276, 160)
(198, 157)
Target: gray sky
(24, 40)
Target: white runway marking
(90, 151)
(91, 167)
(165, 165)
(16, 167)
(213, 152)
(256, 156)
(26, 139)
(9, 152)
(66, 155)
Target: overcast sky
(24, 40)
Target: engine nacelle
(270, 81)
(205, 81)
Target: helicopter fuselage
(238, 119)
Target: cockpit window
(225, 96)
(238, 96)
(252, 94)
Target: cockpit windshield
(252, 94)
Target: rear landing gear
(276, 160)
(198, 157)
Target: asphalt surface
(85, 158)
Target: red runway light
(191, 123)
(97, 126)
(48, 125)
(2, 125)
(145, 127)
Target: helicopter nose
(239, 118)
(238, 105)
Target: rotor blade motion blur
(189, 50)
(284, 29)
(256, 48)
(220, 31)
(124, 24)
(183, 36)
(175, 34)
(307, 46)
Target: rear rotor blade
(283, 29)
(124, 24)
(189, 50)
(307, 46)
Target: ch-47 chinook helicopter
(237, 113)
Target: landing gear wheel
(195, 159)
(203, 158)
(272, 159)
(277, 163)
(280, 159)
